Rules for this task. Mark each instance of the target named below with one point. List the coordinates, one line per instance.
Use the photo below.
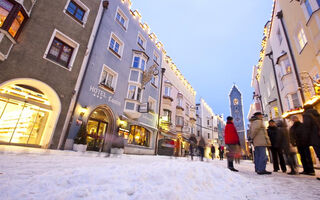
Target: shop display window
(139, 136)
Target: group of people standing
(283, 142)
(195, 145)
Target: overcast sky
(214, 43)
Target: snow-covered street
(76, 176)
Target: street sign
(144, 108)
(147, 75)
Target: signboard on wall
(144, 108)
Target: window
(76, 11)
(198, 133)
(180, 100)
(279, 36)
(141, 41)
(208, 122)
(167, 91)
(167, 115)
(152, 104)
(192, 130)
(116, 45)
(61, 50)
(122, 19)
(318, 1)
(155, 81)
(276, 112)
(12, 17)
(134, 92)
(208, 135)
(179, 121)
(135, 76)
(187, 109)
(286, 66)
(302, 39)
(308, 7)
(108, 78)
(156, 57)
(139, 136)
(295, 100)
(139, 61)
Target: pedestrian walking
(232, 141)
(221, 152)
(193, 145)
(201, 146)
(299, 138)
(276, 138)
(213, 151)
(261, 141)
(288, 149)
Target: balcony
(167, 100)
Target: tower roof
(235, 89)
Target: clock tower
(236, 107)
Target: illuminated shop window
(12, 17)
(24, 111)
(139, 136)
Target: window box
(179, 108)
(107, 87)
(12, 17)
(169, 98)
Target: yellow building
(302, 22)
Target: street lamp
(163, 70)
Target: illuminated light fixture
(159, 45)
(83, 110)
(294, 112)
(122, 123)
(312, 101)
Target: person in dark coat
(287, 148)
(193, 144)
(276, 139)
(300, 139)
(201, 146)
(311, 122)
(221, 152)
(213, 151)
(232, 141)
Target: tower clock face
(235, 101)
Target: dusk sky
(213, 43)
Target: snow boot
(230, 166)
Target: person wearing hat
(261, 141)
(276, 138)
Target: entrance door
(97, 127)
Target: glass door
(96, 131)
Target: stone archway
(29, 112)
(101, 125)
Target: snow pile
(142, 177)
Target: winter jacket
(230, 134)
(283, 131)
(276, 137)
(258, 133)
(298, 136)
(311, 127)
(202, 143)
(213, 149)
(193, 140)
